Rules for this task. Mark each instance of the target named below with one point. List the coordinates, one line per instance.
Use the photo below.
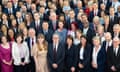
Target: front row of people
(59, 57)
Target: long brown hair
(45, 44)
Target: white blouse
(16, 53)
(81, 53)
(95, 54)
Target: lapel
(118, 53)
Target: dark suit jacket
(108, 29)
(48, 35)
(90, 35)
(33, 25)
(70, 57)
(59, 57)
(91, 15)
(87, 57)
(7, 12)
(101, 60)
(112, 59)
(51, 25)
(112, 23)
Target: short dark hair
(70, 37)
(19, 35)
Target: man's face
(36, 16)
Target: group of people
(59, 35)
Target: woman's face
(60, 25)
(19, 39)
(40, 40)
(25, 32)
(3, 28)
(96, 42)
(4, 39)
(69, 41)
(27, 17)
(73, 27)
(10, 32)
(4, 17)
(83, 40)
(78, 34)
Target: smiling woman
(6, 55)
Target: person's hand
(54, 66)
(10, 63)
(94, 65)
(113, 68)
(81, 65)
(22, 63)
(72, 69)
(5, 62)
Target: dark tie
(55, 52)
(32, 41)
(37, 25)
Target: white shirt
(16, 53)
(82, 53)
(95, 54)
(55, 46)
(108, 44)
(85, 31)
(76, 41)
(116, 50)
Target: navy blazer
(101, 60)
(112, 59)
(86, 58)
(48, 35)
(90, 35)
(59, 57)
(70, 57)
(33, 25)
(51, 25)
(91, 15)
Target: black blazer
(51, 25)
(90, 35)
(59, 57)
(112, 59)
(101, 60)
(87, 55)
(112, 23)
(91, 15)
(48, 35)
(33, 25)
(70, 57)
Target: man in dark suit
(56, 54)
(9, 9)
(19, 17)
(113, 56)
(47, 32)
(95, 12)
(88, 31)
(37, 23)
(116, 31)
(113, 18)
(53, 23)
(108, 41)
(15, 5)
(31, 40)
